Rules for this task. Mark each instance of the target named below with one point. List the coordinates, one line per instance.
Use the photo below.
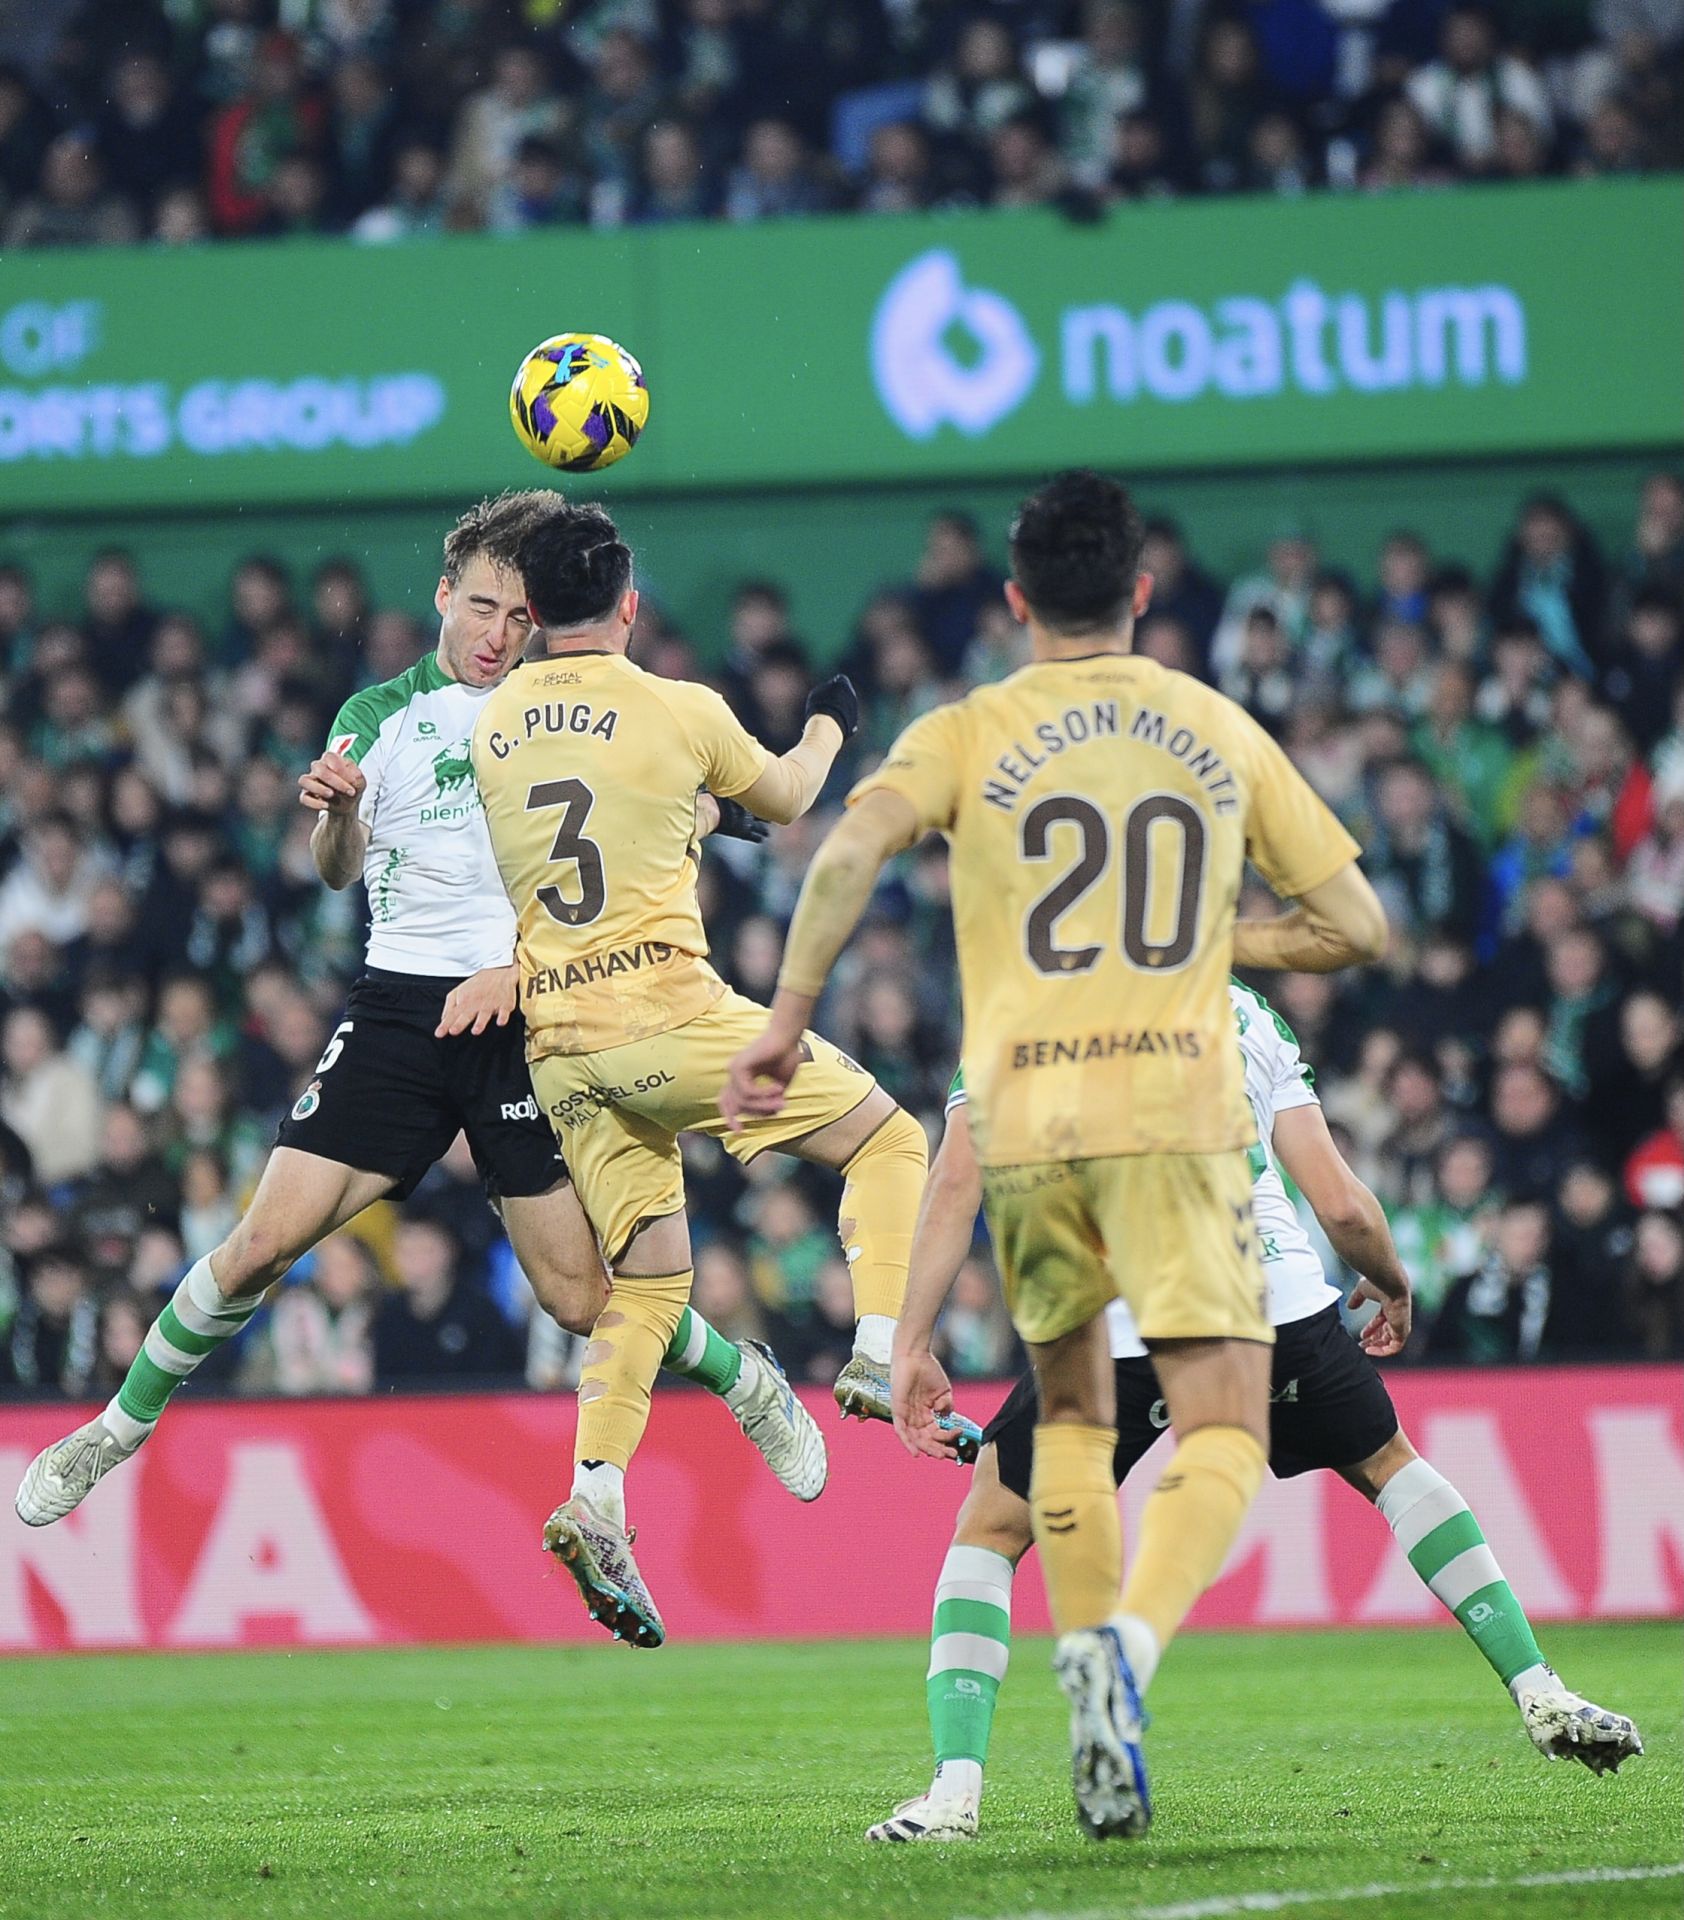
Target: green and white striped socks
(1434, 1527)
(701, 1353)
(197, 1320)
(970, 1644)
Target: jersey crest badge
(308, 1101)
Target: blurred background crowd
(1504, 735)
(181, 120)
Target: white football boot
(784, 1432)
(61, 1476)
(1564, 1726)
(931, 1816)
(1107, 1766)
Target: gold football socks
(1073, 1504)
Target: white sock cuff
(202, 1292)
(976, 1573)
(1407, 1486)
(123, 1427)
(874, 1335)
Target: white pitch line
(1220, 1905)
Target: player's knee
(572, 1298)
(253, 1257)
(994, 1519)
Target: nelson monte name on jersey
(436, 901)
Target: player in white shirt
(431, 1042)
(1330, 1409)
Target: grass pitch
(734, 1783)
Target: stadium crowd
(1508, 749)
(182, 120)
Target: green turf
(604, 1784)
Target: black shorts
(1328, 1407)
(388, 1097)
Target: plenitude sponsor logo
(944, 353)
(73, 419)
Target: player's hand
(1388, 1332)
(756, 1081)
(332, 784)
(473, 1004)
(919, 1393)
(735, 822)
(836, 699)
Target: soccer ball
(579, 402)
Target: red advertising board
(397, 1521)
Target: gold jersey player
(589, 769)
(1100, 811)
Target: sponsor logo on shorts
(526, 1109)
(308, 1101)
(580, 1108)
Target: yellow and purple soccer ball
(578, 402)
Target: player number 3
(571, 844)
(1094, 856)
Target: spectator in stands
(435, 1327)
(52, 1343)
(723, 1293)
(625, 98)
(982, 88)
(1401, 153)
(1427, 866)
(674, 182)
(1459, 94)
(1654, 1174)
(1553, 575)
(953, 584)
(900, 175)
(776, 176)
(1502, 1312)
(74, 206)
(1535, 1140)
(1110, 77)
(47, 1097)
(1226, 98)
(414, 204)
(319, 1337)
(1653, 1285)
(276, 116)
(1024, 167)
(145, 133)
(541, 190)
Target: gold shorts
(617, 1114)
(1170, 1233)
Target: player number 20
(1040, 924)
(570, 844)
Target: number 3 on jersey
(1167, 811)
(570, 844)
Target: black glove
(737, 823)
(837, 699)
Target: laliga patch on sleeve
(342, 743)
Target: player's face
(483, 622)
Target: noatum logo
(1245, 346)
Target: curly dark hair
(1075, 548)
(496, 528)
(575, 566)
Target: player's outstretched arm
(834, 895)
(1352, 1219)
(332, 787)
(1339, 924)
(793, 781)
(919, 1389)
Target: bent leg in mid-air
(1434, 1526)
(557, 1250)
(299, 1201)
